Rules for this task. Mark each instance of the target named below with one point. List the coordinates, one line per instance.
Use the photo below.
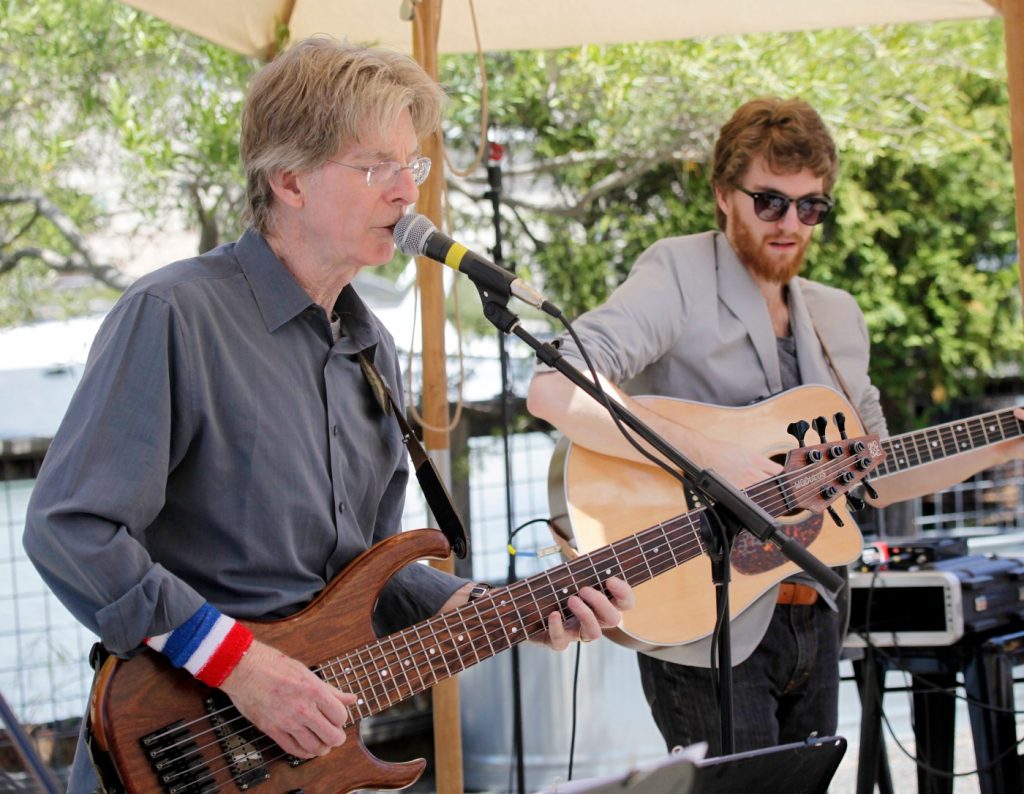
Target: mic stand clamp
(728, 508)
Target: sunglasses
(770, 206)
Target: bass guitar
(163, 731)
(599, 500)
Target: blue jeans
(787, 689)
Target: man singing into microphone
(722, 317)
(224, 456)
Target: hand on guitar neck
(307, 716)
(592, 611)
(288, 702)
(941, 456)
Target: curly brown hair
(788, 133)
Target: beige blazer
(690, 322)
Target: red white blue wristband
(209, 645)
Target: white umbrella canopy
(249, 26)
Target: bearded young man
(721, 317)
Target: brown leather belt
(796, 594)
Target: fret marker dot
(459, 638)
(360, 702)
(407, 662)
(515, 629)
(383, 673)
(608, 571)
(565, 590)
(432, 651)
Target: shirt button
(341, 507)
(334, 429)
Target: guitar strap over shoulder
(832, 366)
(438, 498)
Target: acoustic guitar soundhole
(752, 556)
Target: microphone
(416, 235)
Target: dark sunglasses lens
(812, 211)
(770, 206)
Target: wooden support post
(1013, 26)
(447, 720)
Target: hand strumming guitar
(288, 702)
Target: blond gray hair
(317, 98)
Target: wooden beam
(1013, 27)
(445, 695)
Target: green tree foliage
(608, 150)
(104, 109)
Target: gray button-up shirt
(221, 447)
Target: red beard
(762, 262)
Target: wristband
(209, 645)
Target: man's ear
(287, 187)
(723, 202)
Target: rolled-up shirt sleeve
(104, 478)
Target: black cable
(576, 669)
(575, 691)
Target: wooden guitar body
(142, 697)
(598, 499)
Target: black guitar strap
(438, 498)
(106, 771)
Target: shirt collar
(281, 298)
(278, 295)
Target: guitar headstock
(814, 476)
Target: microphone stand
(728, 508)
(494, 194)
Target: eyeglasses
(384, 174)
(770, 206)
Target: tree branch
(80, 260)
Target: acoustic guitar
(163, 731)
(598, 500)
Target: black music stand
(806, 767)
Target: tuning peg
(798, 430)
(840, 421)
(835, 516)
(855, 503)
(820, 423)
(870, 489)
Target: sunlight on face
(352, 220)
(772, 251)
